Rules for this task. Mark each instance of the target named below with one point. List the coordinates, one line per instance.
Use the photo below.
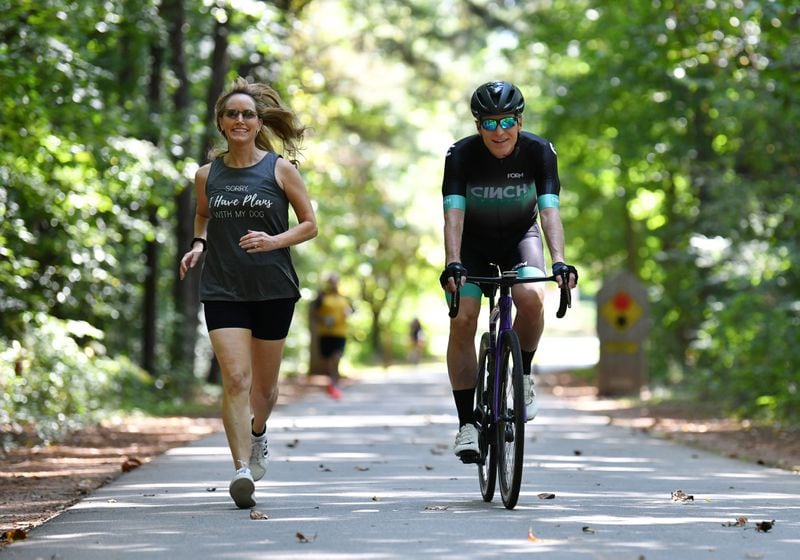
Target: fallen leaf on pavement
(588, 529)
(14, 535)
(546, 496)
(764, 526)
(681, 496)
(361, 469)
(293, 443)
(255, 515)
(531, 536)
(304, 539)
(131, 463)
(376, 499)
(435, 508)
(741, 521)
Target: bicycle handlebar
(566, 295)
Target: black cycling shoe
(470, 458)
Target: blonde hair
(277, 119)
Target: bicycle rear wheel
(511, 426)
(487, 467)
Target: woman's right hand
(189, 260)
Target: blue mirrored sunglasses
(505, 123)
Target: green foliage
(59, 377)
(677, 127)
(78, 193)
(79, 224)
(675, 124)
(741, 357)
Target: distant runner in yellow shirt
(331, 310)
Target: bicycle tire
(511, 426)
(487, 469)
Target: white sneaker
(466, 440)
(259, 456)
(531, 406)
(243, 489)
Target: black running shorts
(267, 320)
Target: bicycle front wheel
(511, 426)
(487, 467)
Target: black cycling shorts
(267, 320)
(483, 256)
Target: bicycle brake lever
(455, 301)
(566, 297)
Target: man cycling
(495, 183)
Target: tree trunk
(150, 319)
(186, 293)
(314, 357)
(631, 243)
(152, 249)
(219, 70)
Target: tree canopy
(675, 124)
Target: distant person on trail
(495, 184)
(330, 312)
(248, 285)
(416, 335)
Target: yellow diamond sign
(621, 311)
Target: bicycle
(499, 395)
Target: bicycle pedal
(470, 458)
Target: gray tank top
(240, 199)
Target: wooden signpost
(623, 323)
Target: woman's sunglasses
(247, 114)
(505, 123)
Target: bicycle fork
(500, 313)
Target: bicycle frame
(502, 416)
(500, 314)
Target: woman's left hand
(256, 242)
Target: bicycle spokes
(500, 398)
(511, 428)
(487, 468)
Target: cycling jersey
(500, 197)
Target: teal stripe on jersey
(549, 201)
(457, 201)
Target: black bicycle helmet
(497, 98)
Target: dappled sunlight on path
(373, 476)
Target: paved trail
(373, 477)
